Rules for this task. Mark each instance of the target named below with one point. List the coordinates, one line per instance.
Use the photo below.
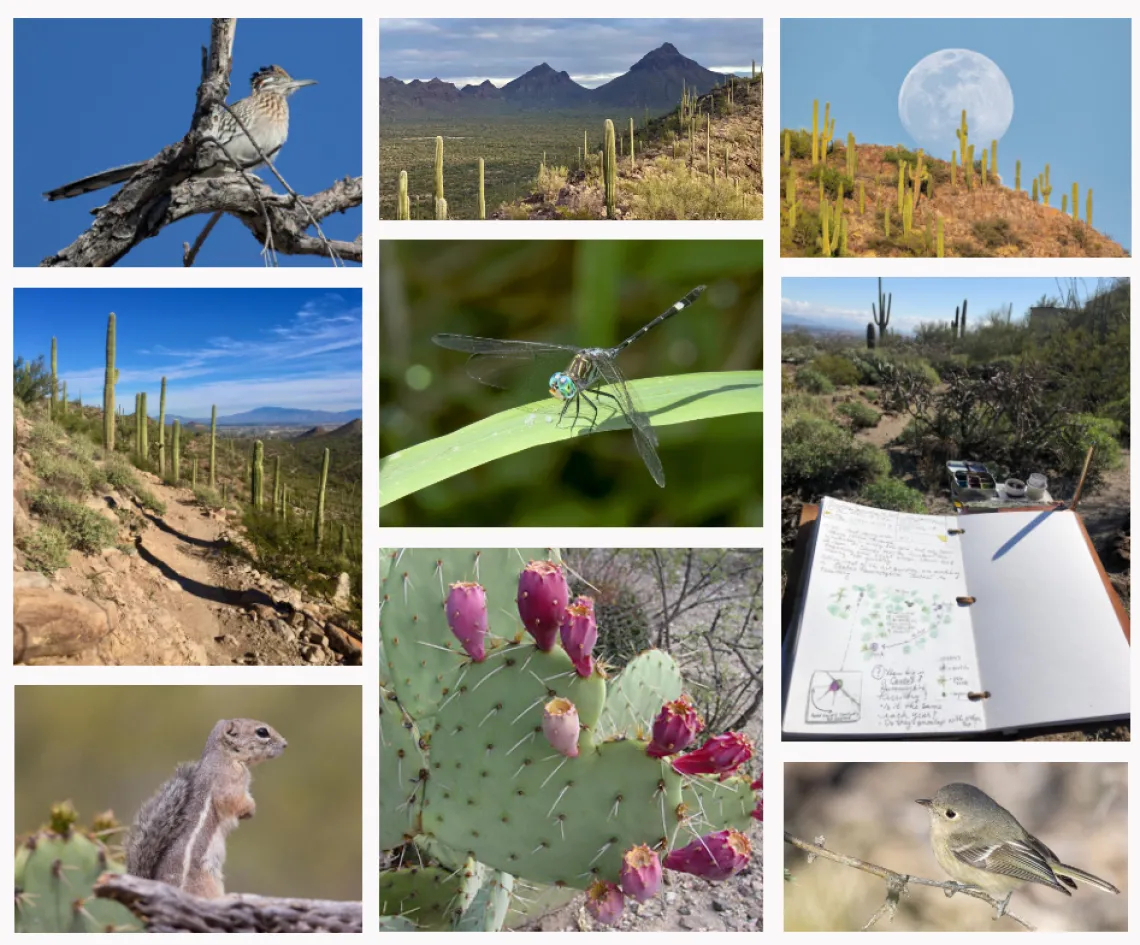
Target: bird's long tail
(85, 185)
(1064, 870)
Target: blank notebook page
(1050, 645)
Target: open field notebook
(887, 644)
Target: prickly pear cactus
(55, 871)
(521, 760)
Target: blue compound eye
(562, 386)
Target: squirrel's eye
(262, 732)
(950, 815)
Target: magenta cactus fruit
(715, 856)
(466, 609)
(542, 599)
(580, 633)
(560, 726)
(640, 873)
(675, 727)
(721, 754)
(604, 902)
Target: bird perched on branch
(264, 113)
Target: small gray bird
(265, 113)
(979, 843)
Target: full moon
(940, 85)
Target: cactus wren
(265, 113)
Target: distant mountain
(278, 416)
(655, 82)
(352, 428)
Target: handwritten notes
(882, 645)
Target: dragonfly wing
(643, 435)
(493, 361)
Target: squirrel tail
(156, 822)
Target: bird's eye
(262, 732)
(950, 815)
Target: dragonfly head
(562, 386)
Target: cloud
(851, 319)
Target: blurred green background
(111, 747)
(868, 811)
(590, 293)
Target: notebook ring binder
(966, 601)
(977, 696)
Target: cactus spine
(257, 475)
(176, 464)
(883, 314)
(213, 445)
(54, 382)
(319, 518)
(403, 205)
(109, 389)
(482, 196)
(609, 169)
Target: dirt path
(178, 597)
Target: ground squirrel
(179, 835)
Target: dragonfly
(591, 373)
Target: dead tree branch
(164, 908)
(165, 189)
(897, 882)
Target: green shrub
(148, 500)
(860, 416)
(837, 369)
(1086, 430)
(803, 402)
(893, 495)
(208, 497)
(832, 179)
(84, 529)
(819, 455)
(63, 473)
(813, 382)
(45, 549)
(798, 355)
(31, 381)
(995, 233)
(800, 142)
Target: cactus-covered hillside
(843, 197)
(145, 538)
(570, 739)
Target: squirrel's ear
(232, 727)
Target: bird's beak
(924, 801)
(295, 84)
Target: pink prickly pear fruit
(560, 726)
(715, 856)
(580, 633)
(467, 617)
(675, 727)
(542, 598)
(721, 754)
(604, 902)
(640, 873)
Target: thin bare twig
(897, 882)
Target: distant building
(1046, 317)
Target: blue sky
(1071, 82)
(845, 304)
(237, 348)
(129, 88)
(591, 51)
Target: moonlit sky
(845, 304)
(466, 52)
(1071, 82)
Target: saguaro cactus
(176, 453)
(213, 443)
(871, 336)
(632, 155)
(54, 381)
(144, 446)
(162, 429)
(63, 401)
(319, 526)
(437, 192)
(1017, 177)
(609, 170)
(276, 486)
(882, 315)
(403, 204)
(941, 246)
(814, 132)
(1088, 207)
(482, 197)
(257, 475)
(1076, 206)
(109, 378)
(1046, 187)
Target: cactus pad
(635, 697)
(401, 761)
